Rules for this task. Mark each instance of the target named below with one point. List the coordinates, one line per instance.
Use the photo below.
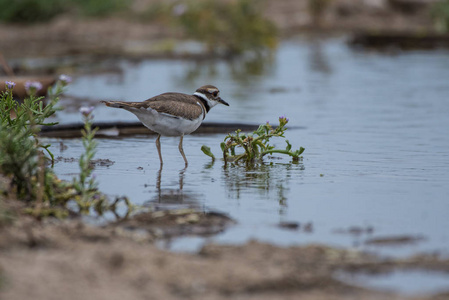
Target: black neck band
(206, 105)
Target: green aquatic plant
(98, 8)
(25, 118)
(34, 11)
(256, 145)
(88, 195)
(23, 163)
(6, 216)
(232, 27)
(22, 160)
(317, 9)
(440, 14)
(86, 185)
(29, 11)
(21, 157)
(225, 27)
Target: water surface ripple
(375, 127)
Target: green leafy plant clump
(225, 27)
(256, 145)
(99, 8)
(20, 157)
(33, 11)
(440, 13)
(29, 11)
(233, 27)
(24, 165)
(85, 184)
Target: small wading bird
(173, 114)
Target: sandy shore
(71, 260)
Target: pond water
(375, 127)
(410, 282)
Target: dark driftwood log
(384, 40)
(120, 129)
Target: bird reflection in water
(172, 197)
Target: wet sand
(71, 260)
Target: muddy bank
(72, 260)
(131, 36)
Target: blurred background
(49, 28)
(49, 37)
(363, 82)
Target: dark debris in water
(62, 147)
(306, 227)
(289, 225)
(102, 162)
(388, 40)
(65, 159)
(355, 230)
(394, 240)
(282, 90)
(174, 223)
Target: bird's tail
(117, 104)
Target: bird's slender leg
(182, 150)
(158, 146)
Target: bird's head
(211, 95)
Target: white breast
(165, 124)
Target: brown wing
(176, 104)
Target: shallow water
(375, 127)
(410, 282)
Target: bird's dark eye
(215, 94)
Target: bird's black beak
(222, 101)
